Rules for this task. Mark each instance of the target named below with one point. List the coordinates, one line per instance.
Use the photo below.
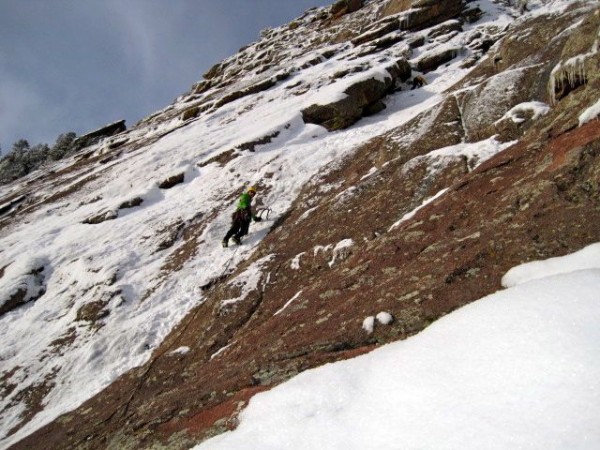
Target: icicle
(405, 19)
(572, 73)
(567, 75)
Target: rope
(229, 262)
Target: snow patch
(474, 153)
(585, 259)
(411, 214)
(369, 324)
(221, 350)
(340, 251)
(180, 351)
(538, 109)
(384, 318)
(295, 264)
(248, 280)
(590, 114)
(306, 213)
(372, 171)
(288, 303)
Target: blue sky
(68, 65)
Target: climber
(241, 218)
(418, 82)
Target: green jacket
(244, 207)
(245, 202)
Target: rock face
(362, 98)
(418, 221)
(106, 131)
(420, 14)
(342, 7)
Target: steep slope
(484, 376)
(111, 264)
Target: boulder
(432, 60)
(447, 27)
(172, 181)
(400, 70)
(137, 201)
(30, 287)
(488, 102)
(190, 113)
(362, 99)
(344, 113)
(101, 217)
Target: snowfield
(517, 369)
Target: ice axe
(261, 211)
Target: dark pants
(239, 225)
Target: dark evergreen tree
(63, 146)
(23, 159)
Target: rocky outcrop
(93, 311)
(363, 98)
(11, 204)
(385, 28)
(577, 66)
(30, 287)
(94, 136)
(251, 146)
(534, 68)
(432, 60)
(253, 89)
(420, 14)
(445, 28)
(102, 216)
(172, 181)
(190, 113)
(136, 201)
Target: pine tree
(63, 146)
